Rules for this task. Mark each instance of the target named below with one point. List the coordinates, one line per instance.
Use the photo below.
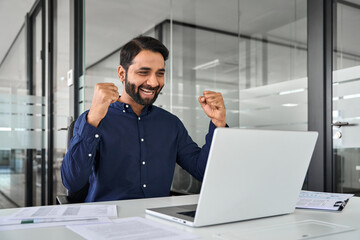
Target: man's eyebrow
(148, 69)
(144, 68)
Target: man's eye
(160, 74)
(143, 73)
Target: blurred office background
(255, 52)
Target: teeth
(146, 91)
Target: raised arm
(190, 156)
(82, 152)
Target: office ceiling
(354, 1)
(12, 16)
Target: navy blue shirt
(129, 156)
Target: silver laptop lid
(253, 174)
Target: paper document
(65, 211)
(323, 200)
(135, 228)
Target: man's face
(145, 77)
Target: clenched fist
(213, 106)
(104, 94)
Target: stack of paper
(135, 228)
(91, 222)
(323, 200)
(48, 216)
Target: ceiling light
(289, 105)
(207, 65)
(351, 96)
(292, 91)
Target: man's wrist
(92, 121)
(218, 123)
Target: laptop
(250, 174)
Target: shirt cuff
(88, 131)
(212, 126)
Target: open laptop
(250, 174)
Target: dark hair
(136, 45)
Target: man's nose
(153, 81)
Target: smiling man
(124, 147)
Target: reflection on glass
(12, 121)
(61, 90)
(21, 128)
(39, 153)
(346, 98)
(273, 71)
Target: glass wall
(38, 123)
(205, 56)
(346, 97)
(273, 65)
(104, 36)
(12, 118)
(22, 122)
(256, 57)
(61, 89)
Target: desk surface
(350, 216)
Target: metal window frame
(38, 6)
(78, 42)
(29, 78)
(50, 102)
(320, 175)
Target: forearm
(77, 164)
(78, 161)
(194, 159)
(204, 153)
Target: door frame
(38, 6)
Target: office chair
(72, 197)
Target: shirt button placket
(143, 156)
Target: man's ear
(121, 73)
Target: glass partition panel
(346, 97)
(13, 157)
(61, 89)
(22, 128)
(205, 56)
(107, 32)
(273, 71)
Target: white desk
(350, 216)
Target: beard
(134, 92)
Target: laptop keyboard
(190, 213)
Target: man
(126, 148)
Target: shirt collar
(124, 106)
